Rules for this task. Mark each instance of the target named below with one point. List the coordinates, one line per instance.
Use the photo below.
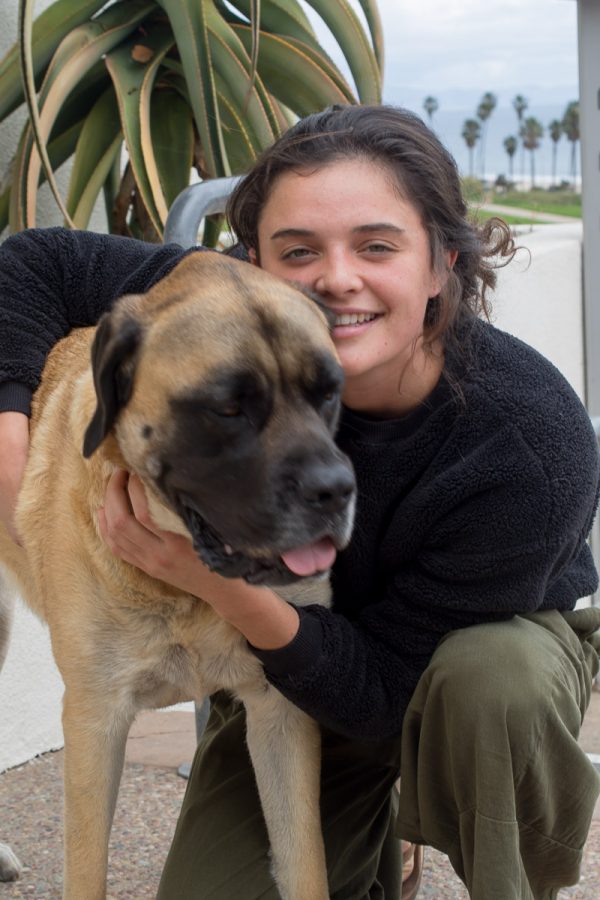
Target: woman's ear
(253, 256)
(439, 280)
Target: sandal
(412, 869)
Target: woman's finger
(116, 541)
(139, 505)
(122, 525)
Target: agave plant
(181, 85)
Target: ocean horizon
(448, 124)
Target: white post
(588, 16)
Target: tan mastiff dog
(220, 389)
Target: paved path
(149, 800)
(530, 214)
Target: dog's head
(222, 387)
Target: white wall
(48, 213)
(30, 687)
(539, 297)
(30, 693)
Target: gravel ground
(147, 809)
(149, 801)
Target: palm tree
(486, 107)
(510, 145)
(531, 134)
(520, 104)
(471, 133)
(431, 106)
(555, 130)
(184, 86)
(570, 126)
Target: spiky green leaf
(49, 29)
(173, 141)
(277, 16)
(345, 25)
(25, 40)
(188, 20)
(110, 188)
(245, 90)
(97, 146)
(292, 76)
(133, 82)
(287, 19)
(373, 17)
(80, 50)
(61, 147)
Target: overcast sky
(498, 45)
(457, 50)
(445, 47)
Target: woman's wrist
(266, 621)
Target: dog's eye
(329, 398)
(229, 410)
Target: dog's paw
(10, 867)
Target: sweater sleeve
(53, 280)
(504, 537)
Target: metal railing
(207, 198)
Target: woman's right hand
(14, 447)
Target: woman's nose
(339, 275)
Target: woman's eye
(379, 248)
(296, 253)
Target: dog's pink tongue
(311, 558)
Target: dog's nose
(327, 487)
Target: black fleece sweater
(473, 508)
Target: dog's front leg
(285, 749)
(95, 738)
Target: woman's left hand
(128, 530)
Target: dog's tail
(7, 602)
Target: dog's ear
(114, 352)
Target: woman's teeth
(354, 318)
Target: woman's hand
(14, 448)
(128, 530)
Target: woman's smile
(352, 323)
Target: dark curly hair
(426, 175)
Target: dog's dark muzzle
(326, 489)
(308, 518)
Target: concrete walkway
(149, 800)
(529, 214)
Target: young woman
(452, 654)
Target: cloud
(493, 45)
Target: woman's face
(345, 232)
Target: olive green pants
(492, 775)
